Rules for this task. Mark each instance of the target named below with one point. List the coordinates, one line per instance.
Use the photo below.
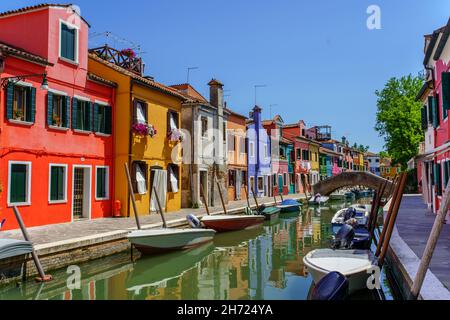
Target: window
(81, 115)
(291, 178)
(173, 176)
(299, 155)
(58, 110)
(58, 183)
(69, 42)
(139, 177)
(19, 183)
(231, 142)
(224, 128)
(274, 179)
(102, 183)
(172, 122)
(285, 178)
(231, 178)
(20, 103)
(102, 118)
(140, 112)
(242, 145)
(252, 183)
(282, 154)
(244, 178)
(252, 149)
(260, 184)
(204, 124)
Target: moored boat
(270, 213)
(161, 240)
(318, 200)
(289, 206)
(225, 223)
(353, 264)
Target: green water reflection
(261, 263)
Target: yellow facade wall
(156, 151)
(315, 166)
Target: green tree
(399, 118)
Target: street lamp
(44, 85)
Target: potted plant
(175, 135)
(18, 115)
(129, 53)
(142, 129)
(56, 120)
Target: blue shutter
(74, 113)
(9, 100)
(31, 115)
(445, 92)
(50, 108)
(67, 118)
(96, 124)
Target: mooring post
(220, 194)
(133, 199)
(160, 208)
(205, 202)
(431, 245)
(42, 276)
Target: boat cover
(13, 248)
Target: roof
(215, 82)
(37, 7)
(328, 151)
(236, 114)
(97, 78)
(7, 49)
(442, 42)
(151, 83)
(293, 125)
(428, 85)
(189, 91)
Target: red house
(56, 134)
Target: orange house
(56, 136)
(237, 156)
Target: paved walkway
(414, 224)
(92, 228)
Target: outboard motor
(334, 286)
(349, 214)
(344, 237)
(261, 209)
(193, 221)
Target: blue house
(258, 155)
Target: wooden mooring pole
(205, 202)
(431, 245)
(221, 195)
(133, 199)
(160, 208)
(42, 276)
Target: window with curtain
(173, 175)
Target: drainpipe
(130, 137)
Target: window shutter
(133, 175)
(96, 109)
(108, 120)
(89, 116)
(135, 111)
(435, 112)
(9, 100)
(74, 113)
(439, 179)
(31, 115)
(446, 91)
(67, 117)
(168, 122)
(50, 108)
(424, 118)
(445, 174)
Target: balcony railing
(125, 58)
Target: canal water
(261, 263)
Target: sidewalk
(45, 236)
(414, 224)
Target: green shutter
(18, 192)
(96, 124)
(90, 108)
(50, 108)
(108, 120)
(67, 116)
(446, 91)
(424, 118)
(9, 100)
(31, 114)
(439, 180)
(74, 113)
(445, 174)
(435, 112)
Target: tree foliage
(399, 118)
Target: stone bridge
(349, 179)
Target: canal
(261, 263)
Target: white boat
(362, 215)
(164, 239)
(353, 264)
(318, 199)
(339, 195)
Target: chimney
(216, 93)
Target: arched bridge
(349, 179)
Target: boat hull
(271, 213)
(232, 223)
(353, 264)
(150, 242)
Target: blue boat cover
(290, 202)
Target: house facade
(146, 126)
(205, 156)
(56, 133)
(237, 156)
(259, 156)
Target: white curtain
(140, 114)
(160, 183)
(173, 125)
(173, 180)
(140, 179)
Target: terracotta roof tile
(94, 77)
(7, 49)
(189, 91)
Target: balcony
(124, 58)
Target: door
(78, 193)
(280, 184)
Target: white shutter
(173, 180)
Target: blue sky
(318, 60)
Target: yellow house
(146, 133)
(314, 175)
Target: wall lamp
(44, 85)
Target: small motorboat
(270, 213)
(318, 200)
(289, 206)
(225, 223)
(353, 264)
(161, 240)
(349, 195)
(339, 195)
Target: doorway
(81, 197)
